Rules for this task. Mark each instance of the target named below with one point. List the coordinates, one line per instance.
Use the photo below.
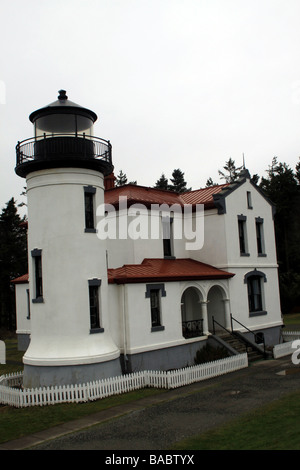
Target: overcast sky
(175, 83)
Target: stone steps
(239, 346)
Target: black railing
(49, 147)
(258, 338)
(215, 322)
(192, 328)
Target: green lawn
(272, 427)
(18, 422)
(292, 319)
(276, 426)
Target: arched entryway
(217, 308)
(191, 313)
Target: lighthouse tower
(64, 166)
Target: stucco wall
(60, 324)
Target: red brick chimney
(109, 181)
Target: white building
(132, 278)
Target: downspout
(124, 311)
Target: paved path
(155, 423)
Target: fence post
(2, 353)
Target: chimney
(109, 181)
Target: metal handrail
(26, 150)
(252, 332)
(219, 324)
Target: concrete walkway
(155, 423)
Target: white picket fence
(284, 349)
(12, 393)
(290, 335)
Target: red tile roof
(158, 269)
(21, 280)
(165, 270)
(141, 194)
(203, 196)
(147, 196)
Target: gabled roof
(203, 196)
(159, 270)
(211, 197)
(144, 195)
(21, 279)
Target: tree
(233, 172)
(162, 183)
(298, 171)
(255, 179)
(178, 182)
(209, 183)
(13, 260)
(121, 179)
(282, 187)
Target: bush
(209, 353)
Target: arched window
(254, 281)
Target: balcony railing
(192, 328)
(50, 147)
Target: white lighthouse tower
(64, 166)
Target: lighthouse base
(49, 376)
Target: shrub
(210, 353)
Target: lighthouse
(64, 165)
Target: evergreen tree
(233, 172)
(178, 182)
(121, 179)
(162, 183)
(13, 260)
(255, 179)
(209, 183)
(298, 171)
(282, 187)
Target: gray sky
(175, 83)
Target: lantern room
(63, 137)
(63, 117)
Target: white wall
(70, 257)
(236, 204)
(23, 322)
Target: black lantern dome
(63, 137)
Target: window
(260, 236)
(94, 298)
(167, 227)
(28, 304)
(254, 281)
(89, 197)
(249, 200)
(254, 294)
(242, 235)
(154, 292)
(37, 275)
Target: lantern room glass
(61, 124)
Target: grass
(19, 422)
(272, 427)
(275, 426)
(292, 319)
